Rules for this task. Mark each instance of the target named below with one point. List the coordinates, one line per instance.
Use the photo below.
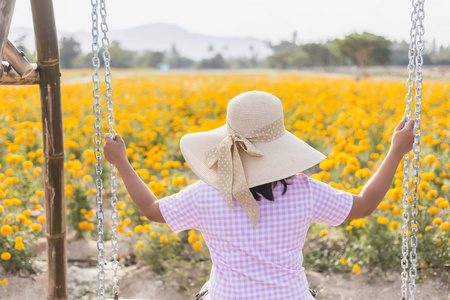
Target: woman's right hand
(403, 137)
(115, 150)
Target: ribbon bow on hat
(231, 174)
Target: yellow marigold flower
(120, 204)
(177, 181)
(139, 228)
(4, 281)
(430, 159)
(323, 233)
(349, 227)
(444, 188)
(374, 156)
(343, 260)
(164, 173)
(437, 221)
(433, 210)
(394, 211)
(36, 171)
(445, 226)
(39, 193)
(7, 202)
(326, 165)
(130, 233)
(126, 222)
(428, 227)
(6, 230)
(157, 166)
(393, 225)
(197, 246)
(356, 269)
(19, 246)
(2, 194)
(192, 239)
(27, 213)
(21, 218)
(423, 186)
(140, 244)
(36, 226)
(16, 201)
(26, 223)
(152, 234)
(428, 176)
(384, 205)
(382, 220)
(18, 239)
(38, 207)
(6, 256)
(1, 209)
(163, 238)
(432, 194)
(87, 178)
(27, 164)
(9, 172)
(441, 203)
(361, 173)
(41, 219)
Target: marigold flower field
(350, 121)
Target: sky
(273, 20)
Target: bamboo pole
(6, 13)
(11, 77)
(17, 60)
(53, 145)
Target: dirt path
(139, 282)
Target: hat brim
(282, 157)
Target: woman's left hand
(115, 150)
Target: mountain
(161, 37)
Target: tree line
(356, 49)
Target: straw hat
(251, 149)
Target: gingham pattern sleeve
(180, 210)
(331, 205)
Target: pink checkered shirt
(265, 263)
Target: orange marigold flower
(197, 246)
(6, 256)
(445, 226)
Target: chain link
(98, 150)
(414, 67)
(111, 121)
(420, 30)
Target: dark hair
(266, 190)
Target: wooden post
(47, 59)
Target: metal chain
(414, 67)
(406, 160)
(420, 30)
(111, 121)
(98, 152)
